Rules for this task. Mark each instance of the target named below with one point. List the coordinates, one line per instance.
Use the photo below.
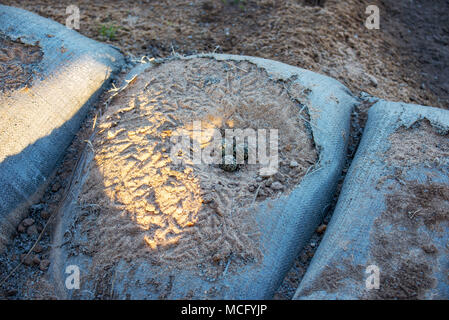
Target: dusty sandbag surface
(18, 63)
(392, 213)
(50, 76)
(196, 246)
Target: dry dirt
(416, 213)
(406, 60)
(18, 63)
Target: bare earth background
(407, 59)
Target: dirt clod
(28, 222)
(44, 264)
(32, 230)
(26, 260)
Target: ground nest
(18, 63)
(179, 213)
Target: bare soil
(18, 63)
(408, 56)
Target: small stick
(255, 196)
(413, 214)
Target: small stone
(38, 248)
(277, 186)
(56, 197)
(45, 215)
(268, 182)
(372, 80)
(321, 228)
(21, 228)
(26, 260)
(43, 266)
(279, 177)
(293, 164)
(56, 186)
(38, 206)
(28, 222)
(313, 244)
(32, 230)
(259, 179)
(36, 260)
(251, 188)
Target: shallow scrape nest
(181, 214)
(18, 63)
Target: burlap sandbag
(50, 75)
(284, 224)
(388, 236)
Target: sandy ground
(405, 60)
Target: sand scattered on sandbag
(187, 215)
(18, 63)
(422, 144)
(403, 239)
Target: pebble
(56, 186)
(279, 177)
(45, 215)
(372, 80)
(294, 164)
(21, 228)
(38, 206)
(28, 222)
(28, 261)
(43, 266)
(36, 260)
(38, 248)
(321, 228)
(32, 230)
(277, 186)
